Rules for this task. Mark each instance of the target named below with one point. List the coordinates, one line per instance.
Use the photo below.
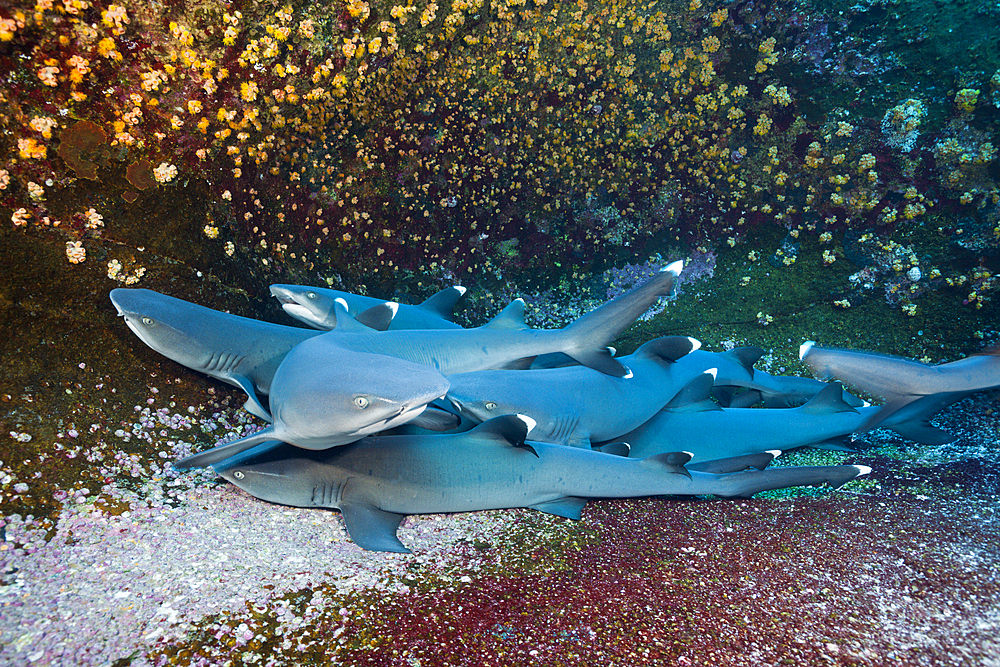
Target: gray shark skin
(577, 405)
(334, 397)
(314, 306)
(506, 339)
(901, 381)
(376, 482)
(237, 350)
(693, 421)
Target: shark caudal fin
(220, 453)
(443, 303)
(591, 333)
(746, 484)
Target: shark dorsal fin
(830, 399)
(696, 396)
(667, 348)
(347, 323)
(378, 317)
(443, 303)
(746, 356)
(511, 317)
(672, 462)
(512, 429)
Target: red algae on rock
(79, 146)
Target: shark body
(241, 351)
(315, 306)
(376, 482)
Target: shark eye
(238, 475)
(148, 321)
(361, 402)
(311, 295)
(491, 405)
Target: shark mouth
(404, 415)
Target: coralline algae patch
(99, 586)
(838, 581)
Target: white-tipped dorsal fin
(805, 347)
(511, 317)
(675, 267)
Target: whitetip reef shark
(336, 396)
(377, 481)
(238, 350)
(315, 306)
(576, 405)
(902, 382)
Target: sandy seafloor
(156, 568)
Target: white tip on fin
(714, 372)
(528, 421)
(863, 470)
(805, 347)
(774, 452)
(393, 306)
(461, 290)
(695, 343)
(342, 302)
(676, 267)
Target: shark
(237, 350)
(337, 398)
(378, 481)
(902, 382)
(505, 340)
(709, 431)
(577, 405)
(315, 306)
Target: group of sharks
(383, 410)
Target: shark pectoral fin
(568, 507)
(443, 303)
(758, 461)
(925, 434)
(672, 462)
(371, 528)
(223, 452)
(600, 360)
(253, 404)
(378, 317)
(615, 448)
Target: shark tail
(590, 334)
(746, 484)
(222, 452)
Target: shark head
(324, 395)
(168, 325)
(475, 397)
(279, 473)
(307, 304)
